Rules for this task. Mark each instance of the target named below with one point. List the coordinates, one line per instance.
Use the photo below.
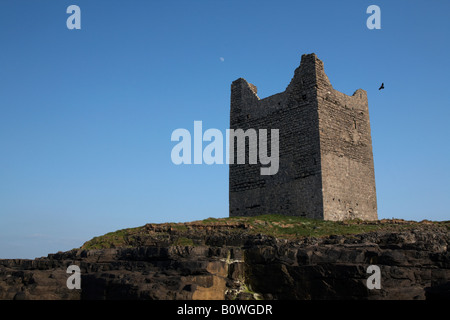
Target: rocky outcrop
(228, 262)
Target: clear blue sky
(86, 115)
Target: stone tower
(326, 166)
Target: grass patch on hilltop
(292, 227)
(280, 226)
(112, 239)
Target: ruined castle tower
(326, 166)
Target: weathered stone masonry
(326, 163)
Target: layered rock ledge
(258, 258)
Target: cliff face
(228, 261)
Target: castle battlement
(326, 162)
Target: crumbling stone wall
(326, 164)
